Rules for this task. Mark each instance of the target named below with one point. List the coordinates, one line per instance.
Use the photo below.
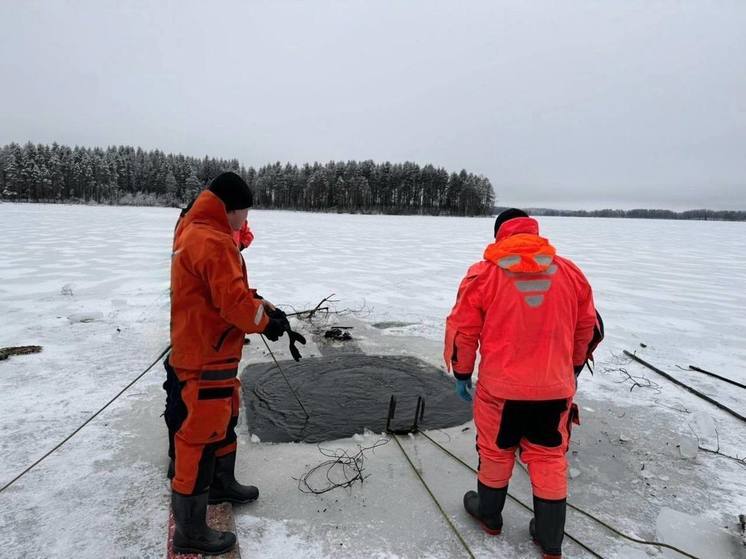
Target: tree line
(125, 175)
(703, 214)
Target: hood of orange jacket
(519, 248)
(208, 210)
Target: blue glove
(463, 389)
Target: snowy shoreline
(539, 213)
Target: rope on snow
(342, 469)
(575, 508)
(86, 422)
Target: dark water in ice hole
(345, 394)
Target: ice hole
(346, 394)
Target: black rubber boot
(486, 505)
(192, 534)
(547, 528)
(225, 488)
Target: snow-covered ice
(695, 535)
(675, 287)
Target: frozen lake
(677, 287)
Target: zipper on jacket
(222, 338)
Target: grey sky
(564, 104)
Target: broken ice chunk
(695, 535)
(704, 426)
(688, 447)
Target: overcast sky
(563, 104)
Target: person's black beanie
(505, 215)
(232, 190)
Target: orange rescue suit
(212, 308)
(531, 314)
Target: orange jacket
(212, 306)
(529, 311)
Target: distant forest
(705, 215)
(126, 175)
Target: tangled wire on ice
(342, 469)
(615, 367)
(635, 381)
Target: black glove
(274, 329)
(278, 314)
(295, 337)
(578, 369)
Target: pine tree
(171, 188)
(192, 187)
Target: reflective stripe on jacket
(530, 313)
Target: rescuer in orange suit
(531, 314)
(212, 308)
(175, 410)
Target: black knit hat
(505, 215)
(232, 190)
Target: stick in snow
(708, 373)
(685, 386)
